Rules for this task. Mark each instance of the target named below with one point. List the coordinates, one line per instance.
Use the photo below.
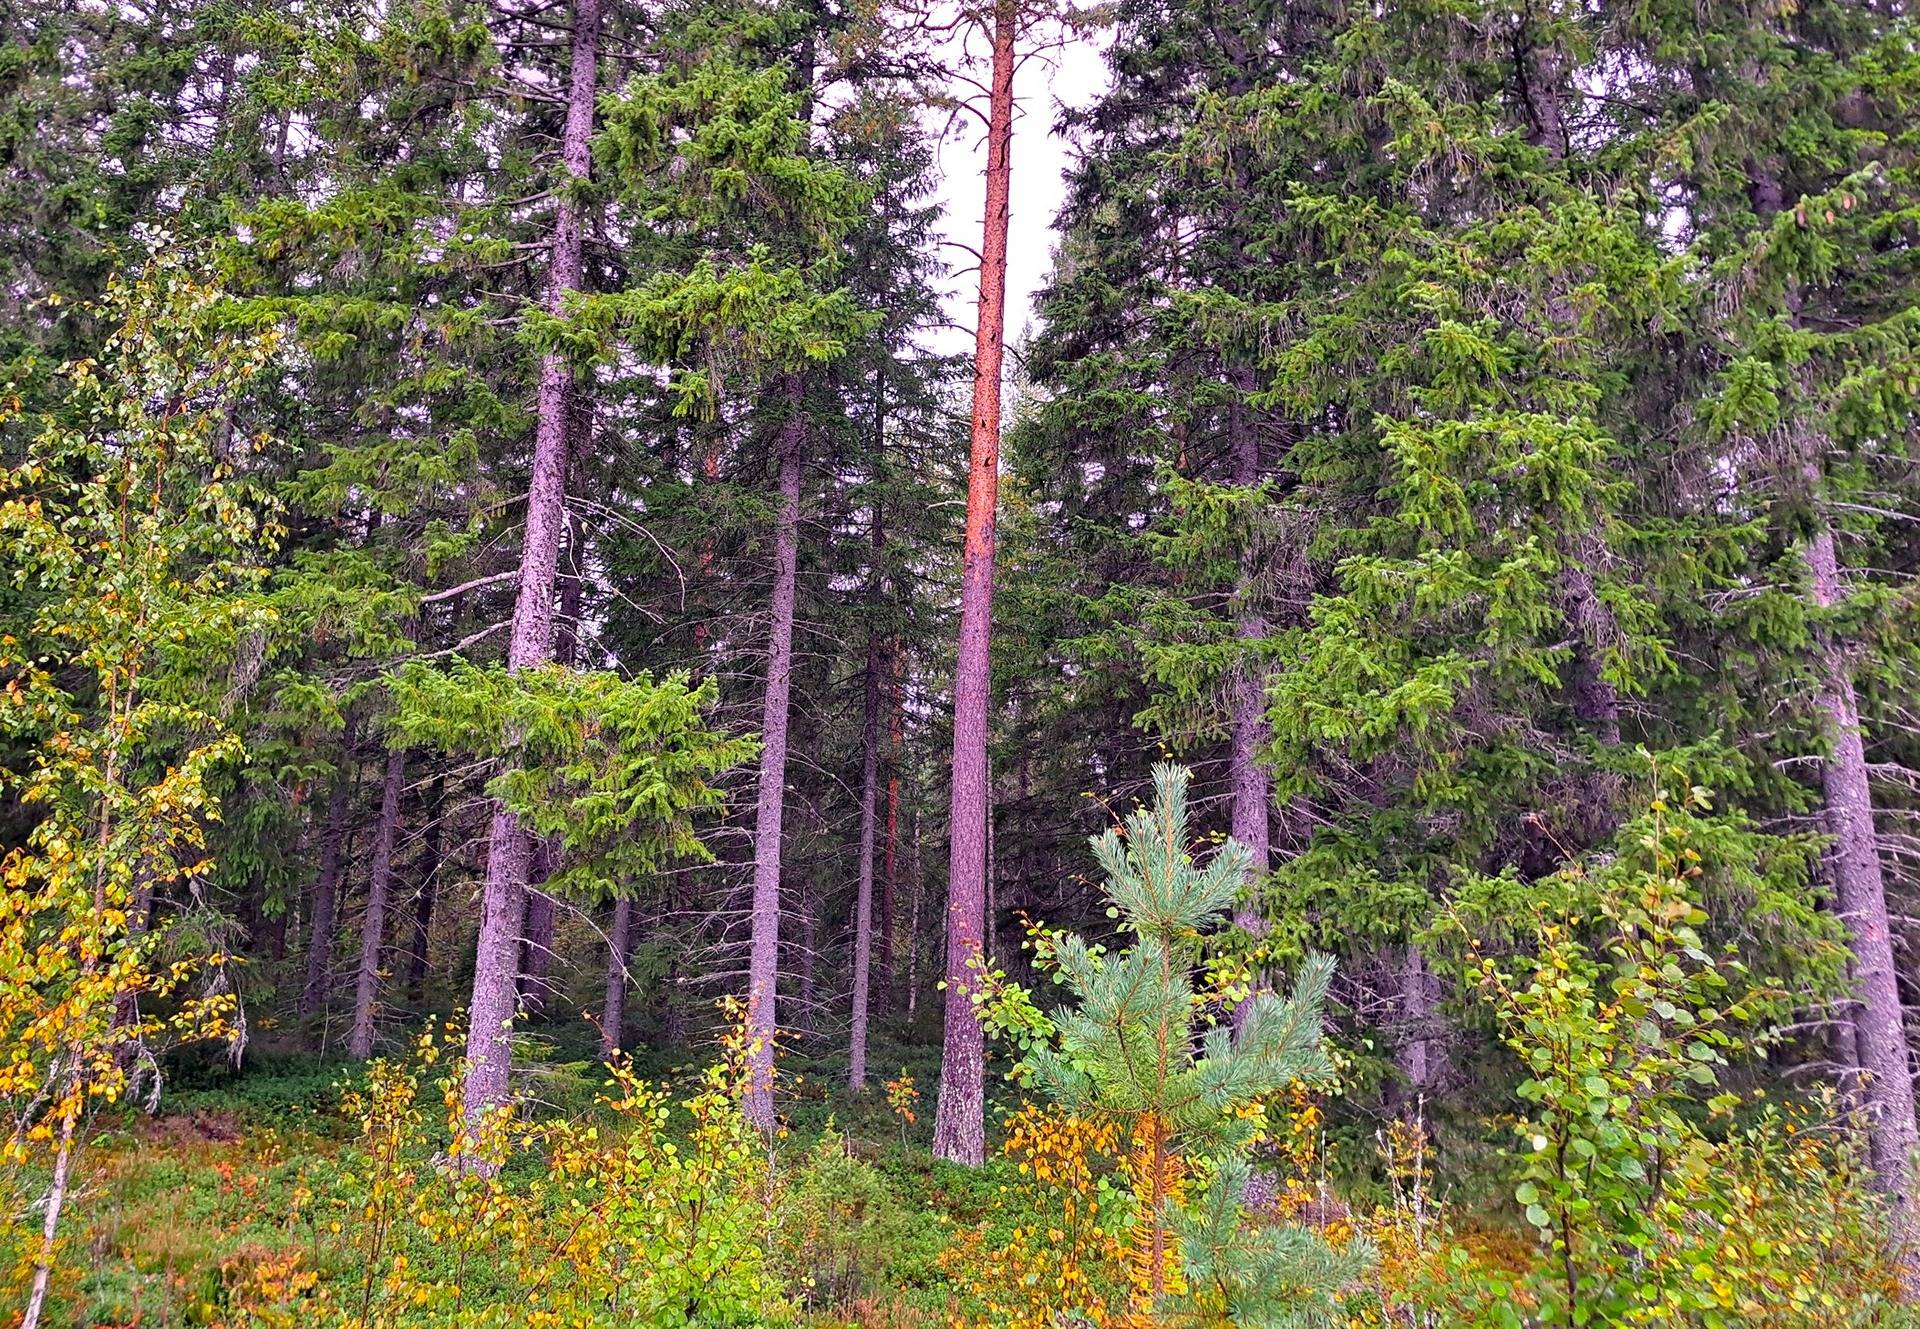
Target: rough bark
(1860, 896)
(325, 916)
(536, 950)
(1596, 703)
(1252, 791)
(491, 1010)
(890, 854)
(1421, 1056)
(763, 965)
(366, 990)
(959, 1124)
(807, 954)
(863, 894)
(613, 1011)
(536, 941)
(429, 871)
(914, 888)
(1859, 882)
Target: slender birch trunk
(959, 1124)
(491, 1010)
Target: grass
(220, 1207)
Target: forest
(600, 729)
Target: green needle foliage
(1145, 1043)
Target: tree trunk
(50, 1223)
(1859, 882)
(373, 927)
(1252, 791)
(1420, 1057)
(863, 896)
(326, 886)
(491, 1011)
(536, 953)
(613, 1013)
(423, 905)
(1596, 703)
(808, 1005)
(959, 1124)
(536, 942)
(916, 890)
(763, 965)
(1860, 892)
(890, 858)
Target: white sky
(1073, 74)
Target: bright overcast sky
(1072, 75)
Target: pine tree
(1144, 1044)
(959, 1129)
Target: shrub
(646, 1212)
(1657, 1197)
(1147, 1050)
(843, 1235)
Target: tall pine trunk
(491, 1010)
(959, 1123)
(325, 916)
(366, 990)
(763, 964)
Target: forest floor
(227, 1204)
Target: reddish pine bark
(366, 990)
(959, 1124)
(491, 1010)
(763, 964)
(326, 886)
